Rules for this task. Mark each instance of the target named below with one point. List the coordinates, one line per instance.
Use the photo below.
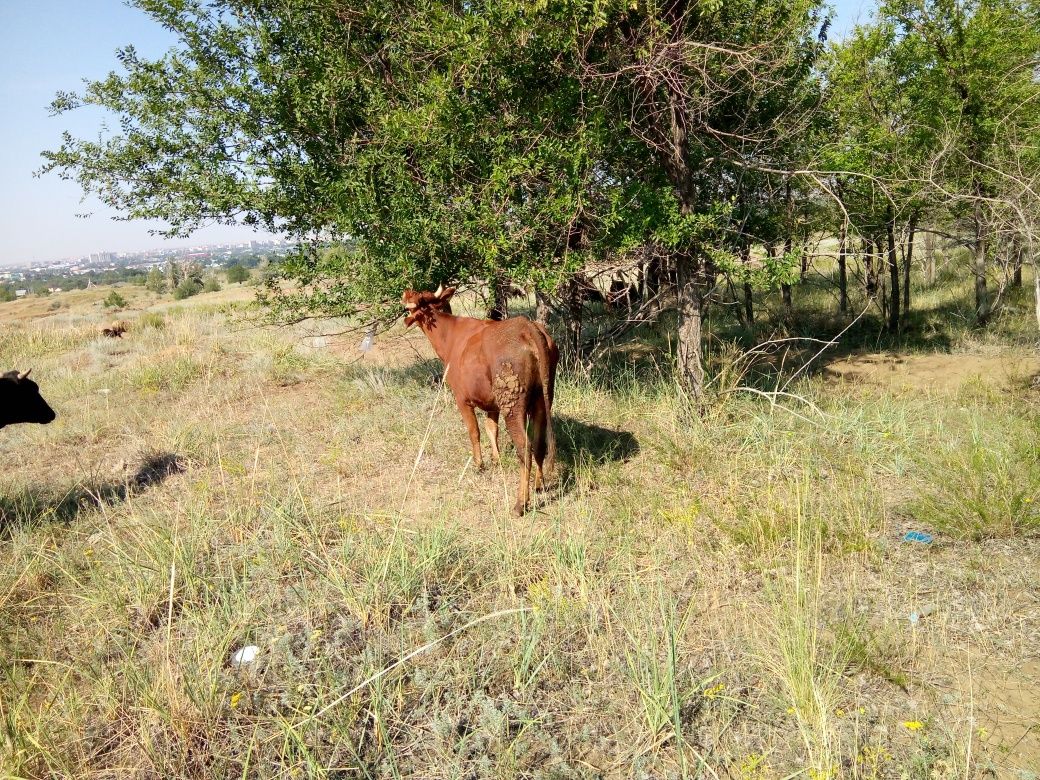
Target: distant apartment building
(102, 257)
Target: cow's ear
(446, 295)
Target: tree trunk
(785, 289)
(499, 308)
(929, 258)
(1019, 259)
(541, 308)
(981, 293)
(652, 283)
(843, 273)
(691, 301)
(574, 312)
(911, 230)
(893, 274)
(881, 279)
(749, 299)
(869, 274)
(1036, 289)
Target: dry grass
(726, 597)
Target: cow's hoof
(519, 509)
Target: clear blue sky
(50, 45)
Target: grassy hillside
(724, 596)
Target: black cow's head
(20, 400)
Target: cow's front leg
(470, 418)
(491, 423)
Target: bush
(237, 273)
(115, 301)
(186, 289)
(212, 284)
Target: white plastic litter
(245, 656)
(923, 612)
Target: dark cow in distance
(505, 367)
(21, 402)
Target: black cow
(20, 400)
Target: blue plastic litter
(918, 536)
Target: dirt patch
(934, 372)
(1000, 705)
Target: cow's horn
(24, 374)
(440, 290)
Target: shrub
(186, 289)
(237, 273)
(115, 300)
(212, 284)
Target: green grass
(985, 485)
(709, 596)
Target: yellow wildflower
(913, 725)
(714, 691)
(235, 699)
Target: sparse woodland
(795, 283)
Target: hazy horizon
(52, 45)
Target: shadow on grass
(580, 444)
(36, 505)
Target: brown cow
(506, 368)
(115, 330)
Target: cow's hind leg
(516, 425)
(470, 418)
(539, 440)
(491, 424)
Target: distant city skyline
(52, 45)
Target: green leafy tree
(455, 142)
(237, 273)
(156, 281)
